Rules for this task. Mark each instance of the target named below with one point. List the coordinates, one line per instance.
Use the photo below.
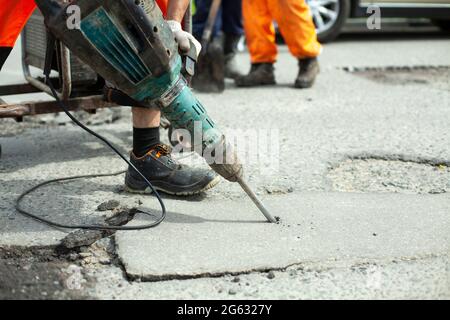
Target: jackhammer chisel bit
(129, 43)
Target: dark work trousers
(229, 18)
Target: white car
(330, 15)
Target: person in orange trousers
(149, 155)
(297, 28)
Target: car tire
(332, 27)
(444, 25)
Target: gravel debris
(108, 205)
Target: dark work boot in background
(230, 50)
(308, 70)
(260, 74)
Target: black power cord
(104, 140)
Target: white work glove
(183, 37)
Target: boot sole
(303, 85)
(147, 190)
(307, 85)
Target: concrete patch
(230, 237)
(382, 175)
(424, 278)
(437, 77)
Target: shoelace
(163, 149)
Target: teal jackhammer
(129, 44)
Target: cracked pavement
(362, 190)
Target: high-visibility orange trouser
(295, 24)
(13, 16)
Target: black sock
(144, 139)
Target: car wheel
(329, 17)
(443, 24)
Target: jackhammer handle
(189, 60)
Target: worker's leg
(259, 31)
(154, 160)
(232, 17)
(145, 130)
(296, 26)
(233, 30)
(260, 34)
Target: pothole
(378, 175)
(57, 272)
(36, 273)
(437, 77)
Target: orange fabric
(13, 16)
(162, 4)
(294, 21)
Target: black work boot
(230, 49)
(308, 70)
(167, 175)
(260, 74)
